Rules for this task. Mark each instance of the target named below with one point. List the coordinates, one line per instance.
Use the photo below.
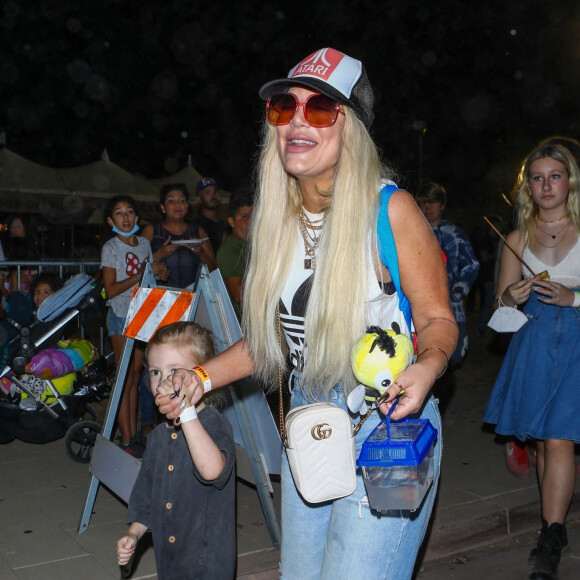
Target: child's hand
(160, 270)
(126, 548)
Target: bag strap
(283, 435)
(388, 250)
(388, 255)
(280, 394)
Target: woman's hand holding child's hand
(182, 389)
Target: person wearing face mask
(315, 258)
(123, 258)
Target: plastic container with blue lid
(397, 463)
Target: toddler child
(43, 286)
(185, 491)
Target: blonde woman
(536, 393)
(314, 254)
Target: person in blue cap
(207, 191)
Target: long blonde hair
(335, 315)
(526, 208)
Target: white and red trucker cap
(333, 74)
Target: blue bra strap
(388, 251)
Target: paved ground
(506, 558)
(484, 519)
(42, 494)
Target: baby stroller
(47, 385)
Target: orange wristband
(202, 374)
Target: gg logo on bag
(322, 431)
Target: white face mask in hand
(506, 319)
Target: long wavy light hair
(335, 315)
(526, 208)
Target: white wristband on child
(576, 303)
(204, 376)
(188, 414)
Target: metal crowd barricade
(256, 437)
(64, 269)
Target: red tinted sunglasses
(319, 110)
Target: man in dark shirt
(207, 191)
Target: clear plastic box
(397, 464)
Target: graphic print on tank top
(292, 310)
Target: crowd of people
(302, 260)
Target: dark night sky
(155, 82)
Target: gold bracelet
(438, 348)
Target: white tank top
(566, 272)
(381, 309)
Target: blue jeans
(115, 324)
(344, 539)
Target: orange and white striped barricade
(152, 308)
(258, 444)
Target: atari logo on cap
(332, 67)
(152, 308)
(319, 64)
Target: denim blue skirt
(537, 391)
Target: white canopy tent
(77, 195)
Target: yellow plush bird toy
(380, 356)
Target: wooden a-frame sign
(258, 445)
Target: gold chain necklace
(311, 240)
(539, 219)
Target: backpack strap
(388, 250)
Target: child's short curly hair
(53, 280)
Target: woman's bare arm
(205, 251)
(424, 282)
(511, 286)
(231, 365)
(115, 288)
